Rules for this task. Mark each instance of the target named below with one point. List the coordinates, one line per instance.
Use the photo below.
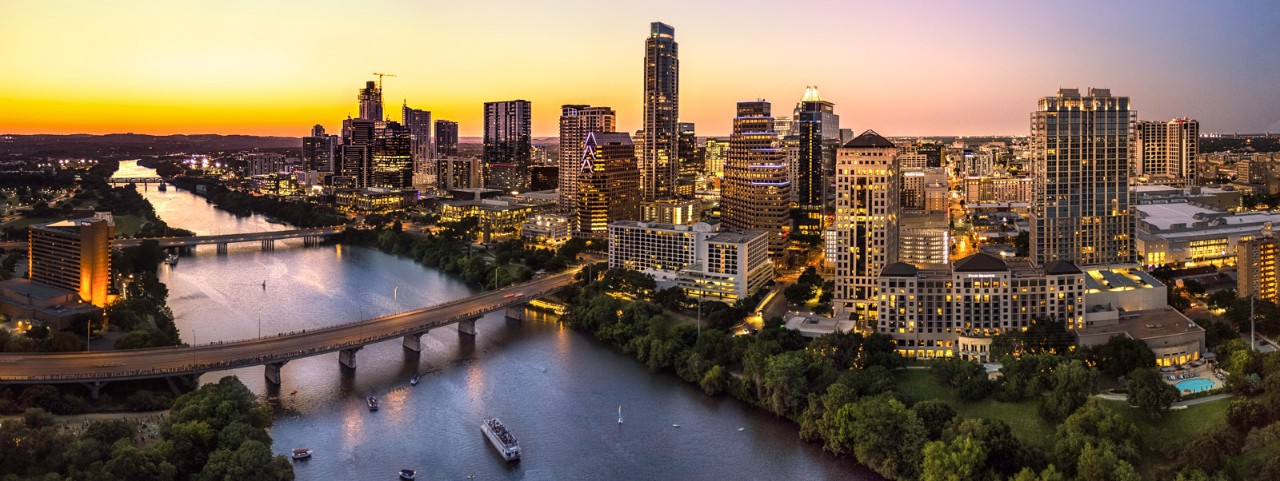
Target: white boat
(619, 414)
(501, 439)
(414, 381)
(302, 453)
(408, 474)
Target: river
(556, 389)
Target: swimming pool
(1195, 385)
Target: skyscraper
(418, 124)
(75, 255)
(608, 183)
(1258, 275)
(446, 138)
(507, 144)
(1080, 163)
(357, 153)
(576, 121)
(319, 151)
(866, 225)
(392, 161)
(815, 125)
(659, 164)
(370, 98)
(1166, 151)
(691, 164)
(756, 194)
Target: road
(174, 361)
(230, 238)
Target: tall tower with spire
(658, 163)
(817, 129)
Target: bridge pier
(222, 248)
(347, 357)
(413, 342)
(468, 326)
(515, 312)
(94, 388)
(312, 240)
(268, 245)
(272, 372)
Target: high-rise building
(1080, 163)
(355, 163)
(866, 224)
(659, 162)
(1166, 151)
(418, 123)
(319, 151)
(392, 156)
(815, 126)
(715, 152)
(690, 159)
(507, 144)
(576, 121)
(708, 261)
(370, 98)
(74, 255)
(756, 194)
(608, 183)
(446, 138)
(460, 173)
(1256, 261)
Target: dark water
(556, 389)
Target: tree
(935, 414)
(1149, 392)
(968, 378)
(1244, 414)
(715, 380)
(1100, 463)
(882, 434)
(960, 459)
(1073, 383)
(1043, 336)
(1049, 474)
(1094, 424)
(1121, 355)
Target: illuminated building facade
(1257, 275)
(705, 260)
(955, 310)
(319, 151)
(608, 183)
(1080, 163)
(715, 152)
(691, 165)
(1166, 151)
(74, 255)
(547, 230)
(576, 121)
(756, 194)
(507, 144)
(392, 157)
(866, 224)
(815, 126)
(672, 211)
(659, 161)
(421, 148)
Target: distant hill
(113, 145)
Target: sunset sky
(901, 67)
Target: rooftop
(981, 262)
(869, 139)
(812, 325)
(1146, 325)
(1119, 280)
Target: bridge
(309, 236)
(135, 180)
(187, 363)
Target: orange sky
(903, 68)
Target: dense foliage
(215, 433)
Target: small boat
(675, 425)
(171, 259)
(408, 474)
(163, 187)
(302, 453)
(373, 403)
(501, 439)
(414, 381)
(619, 414)
(741, 429)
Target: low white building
(703, 259)
(547, 230)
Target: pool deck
(1202, 372)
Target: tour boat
(302, 453)
(373, 403)
(408, 474)
(501, 439)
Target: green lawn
(1163, 436)
(1022, 417)
(127, 225)
(24, 222)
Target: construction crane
(380, 75)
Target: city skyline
(275, 69)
